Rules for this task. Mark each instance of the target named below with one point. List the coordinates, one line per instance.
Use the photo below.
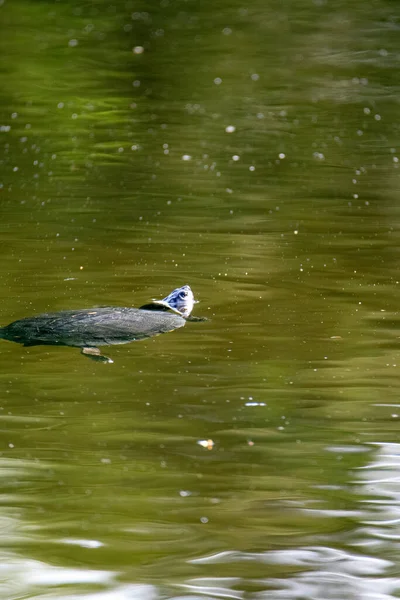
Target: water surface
(250, 151)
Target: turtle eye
(182, 295)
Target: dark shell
(92, 327)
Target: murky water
(251, 152)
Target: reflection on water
(251, 152)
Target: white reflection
(214, 587)
(42, 574)
(305, 557)
(381, 481)
(329, 573)
(83, 543)
(21, 576)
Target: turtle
(90, 328)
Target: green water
(252, 152)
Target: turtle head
(180, 300)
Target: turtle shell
(93, 327)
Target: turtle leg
(95, 354)
(196, 319)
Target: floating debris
(209, 444)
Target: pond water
(251, 152)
